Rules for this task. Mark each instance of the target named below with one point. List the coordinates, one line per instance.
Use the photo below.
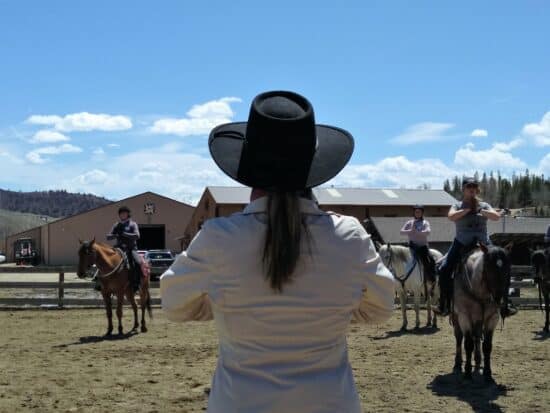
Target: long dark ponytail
(282, 246)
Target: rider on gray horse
(126, 233)
(470, 217)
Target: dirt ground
(58, 361)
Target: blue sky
(116, 98)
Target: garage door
(152, 237)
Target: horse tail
(540, 293)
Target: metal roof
(348, 196)
(443, 230)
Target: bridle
(90, 250)
(402, 280)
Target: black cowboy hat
(280, 147)
(124, 208)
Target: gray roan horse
(417, 280)
(541, 262)
(480, 287)
(113, 278)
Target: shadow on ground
(423, 331)
(541, 335)
(99, 339)
(480, 395)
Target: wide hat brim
(334, 149)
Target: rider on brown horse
(126, 233)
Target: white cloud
(200, 118)
(398, 171)
(113, 145)
(479, 133)
(508, 146)
(495, 158)
(98, 151)
(539, 132)
(83, 122)
(49, 136)
(168, 171)
(423, 132)
(35, 156)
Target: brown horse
(113, 277)
(541, 262)
(480, 288)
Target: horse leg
(458, 354)
(469, 347)
(119, 301)
(487, 348)
(547, 309)
(477, 345)
(403, 299)
(132, 301)
(143, 298)
(109, 310)
(417, 309)
(429, 309)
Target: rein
(403, 279)
(118, 266)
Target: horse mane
(401, 252)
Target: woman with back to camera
(283, 278)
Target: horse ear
(508, 248)
(92, 242)
(483, 248)
(80, 241)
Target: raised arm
(134, 234)
(490, 213)
(184, 286)
(455, 213)
(376, 304)
(407, 228)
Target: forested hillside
(49, 203)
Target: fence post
(61, 291)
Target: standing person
(470, 217)
(418, 230)
(126, 233)
(283, 278)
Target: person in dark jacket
(126, 233)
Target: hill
(55, 204)
(12, 222)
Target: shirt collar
(259, 206)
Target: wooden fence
(521, 273)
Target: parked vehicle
(26, 252)
(2, 257)
(159, 260)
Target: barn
(160, 221)
(362, 203)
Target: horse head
(496, 270)
(86, 257)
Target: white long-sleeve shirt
(280, 352)
(418, 231)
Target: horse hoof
(457, 369)
(143, 329)
(403, 329)
(120, 332)
(109, 333)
